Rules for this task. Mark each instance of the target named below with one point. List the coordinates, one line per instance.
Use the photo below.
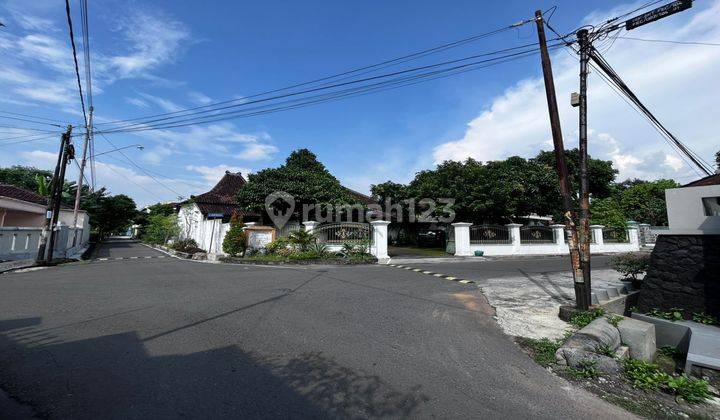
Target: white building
(205, 218)
(694, 209)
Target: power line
(191, 120)
(180, 196)
(74, 52)
(383, 64)
(37, 118)
(711, 44)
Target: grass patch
(605, 350)
(614, 320)
(587, 369)
(542, 350)
(581, 319)
(693, 391)
(644, 375)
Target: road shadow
(114, 376)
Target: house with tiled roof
(23, 208)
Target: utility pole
(68, 155)
(88, 129)
(583, 41)
(582, 291)
(56, 183)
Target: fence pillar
(559, 234)
(379, 246)
(310, 225)
(514, 229)
(462, 239)
(597, 235)
(643, 233)
(633, 237)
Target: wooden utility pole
(55, 185)
(582, 37)
(83, 161)
(582, 296)
(69, 154)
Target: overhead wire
(382, 64)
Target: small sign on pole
(659, 13)
(215, 216)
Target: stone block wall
(684, 273)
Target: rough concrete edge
(16, 265)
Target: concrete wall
(463, 247)
(20, 243)
(686, 215)
(208, 234)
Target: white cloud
(137, 102)
(166, 104)
(199, 98)
(257, 151)
(667, 81)
(154, 38)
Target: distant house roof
(362, 198)
(221, 198)
(17, 193)
(713, 179)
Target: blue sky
(151, 57)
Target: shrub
(614, 320)
(644, 375)
(302, 239)
(586, 369)
(279, 244)
(235, 242)
(186, 245)
(631, 265)
(160, 229)
(689, 389)
(319, 250)
(581, 319)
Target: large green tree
(110, 213)
(498, 191)
(26, 177)
(644, 201)
(302, 176)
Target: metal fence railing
(615, 235)
(490, 234)
(343, 232)
(536, 235)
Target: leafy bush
(644, 375)
(302, 239)
(674, 314)
(587, 369)
(186, 245)
(235, 242)
(704, 318)
(161, 229)
(689, 389)
(581, 319)
(320, 250)
(277, 245)
(670, 351)
(543, 350)
(631, 265)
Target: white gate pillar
(633, 236)
(310, 225)
(379, 246)
(462, 239)
(514, 229)
(597, 235)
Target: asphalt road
(164, 338)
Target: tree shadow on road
(114, 376)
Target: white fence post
(514, 235)
(633, 236)
(310, 225)
(559, 236)
(597, 234)
(380, 240)
(462, 239)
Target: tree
(717, 160)
(26, 177)
(235, 241)
(110, 213)
(302, 176)
(607, 212)
(160, 229)
(644, 201)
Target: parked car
(431, 238)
